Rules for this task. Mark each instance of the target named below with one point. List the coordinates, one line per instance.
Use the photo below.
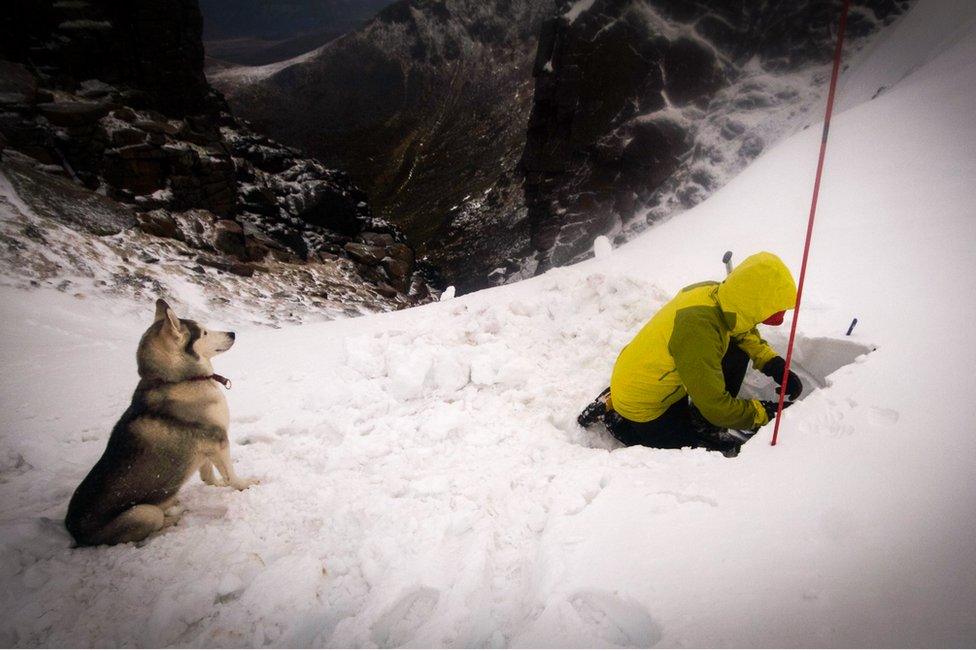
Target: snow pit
(814, 360)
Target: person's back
(645, 381)
(686, 350)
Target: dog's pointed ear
(165, 313)
(161, 308)
(173, 322)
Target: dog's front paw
(208, 476)
(171, 516)
(244, 483)
(174, 510)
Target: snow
(43, 247)
(907, 46)
(249, 74)
(602, 247)
(579, 7)
(85, 24)
(423, 481)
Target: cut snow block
(819, 357)
(601, 247)
(814, 359)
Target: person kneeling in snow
(699, 345)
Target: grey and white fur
(176, 425)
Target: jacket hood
(755, 290)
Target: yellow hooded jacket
(679, 351)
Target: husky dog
(176, 425)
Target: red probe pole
(813, 213)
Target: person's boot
(596, 410)
(714, 437)
(705, 429)
(731, 451)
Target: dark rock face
(106, 101)
(17, 85)
(365, 254)
(153, 48)
(64, 200)
(72, 113)
(160, 224)
(229, 238)
(426, 106)
(623, 87)
(641, 108)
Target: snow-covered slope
(247, 74)
(424, 482)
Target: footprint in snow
(883, 417)
(621, 622)
(291, 430)
(683, 498)
(402, 619)
(255, 438)
(827, 425)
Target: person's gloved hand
(772, 407)
(774, 369)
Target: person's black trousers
(679, 426)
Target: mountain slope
(257, 32)
(423, 480)
(643, 108)
(426, 106)
(123, 171)
(504, 136)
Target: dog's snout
(232, 335)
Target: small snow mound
(601, 247)
(408, 373)
(451, 372)
(366, 356)
(448, 293)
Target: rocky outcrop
(641, 107)
(148, 135)
(154, 49)
(426, 106)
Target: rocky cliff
(108, 128)
(640, 109)
(427, 107)
(643, 107)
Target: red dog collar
(220, 379)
